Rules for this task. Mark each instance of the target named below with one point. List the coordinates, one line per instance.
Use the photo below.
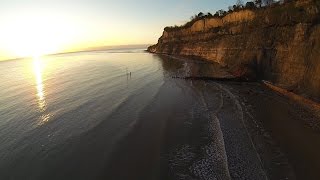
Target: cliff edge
(280, 44)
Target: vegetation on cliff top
(239, 5)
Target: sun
(35, 35)
(33, 41)
(30, 38)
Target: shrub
(250, 5)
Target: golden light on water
(38, 75)
(40, 93)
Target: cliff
(280, 44)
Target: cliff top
(240, 13)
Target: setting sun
(34, 28)
(37, 34)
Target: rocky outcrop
(280, 44)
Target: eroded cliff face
(280, 44)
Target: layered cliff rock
(280, 44)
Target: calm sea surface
(49, 100)
(65, 95)
(120, 114)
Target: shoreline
(281, 128)
(311, 104)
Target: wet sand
(187, 134)
(288, 125)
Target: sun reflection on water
(37, 68)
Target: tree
(239, 3)
(258, 3)
(222, 12)
(230, 8)
(268, 2)
(209, 14)
(235, 7)
(200, 14)
(216, 14)
(250, 5)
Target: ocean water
(69, 93)
(116, 114)
(46, 101)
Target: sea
(110, 114)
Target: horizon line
(89, 49)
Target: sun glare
(40, 90)
(30, 39)
(37, 67)
(34, 35)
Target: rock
(280, 44)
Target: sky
(35, 27)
